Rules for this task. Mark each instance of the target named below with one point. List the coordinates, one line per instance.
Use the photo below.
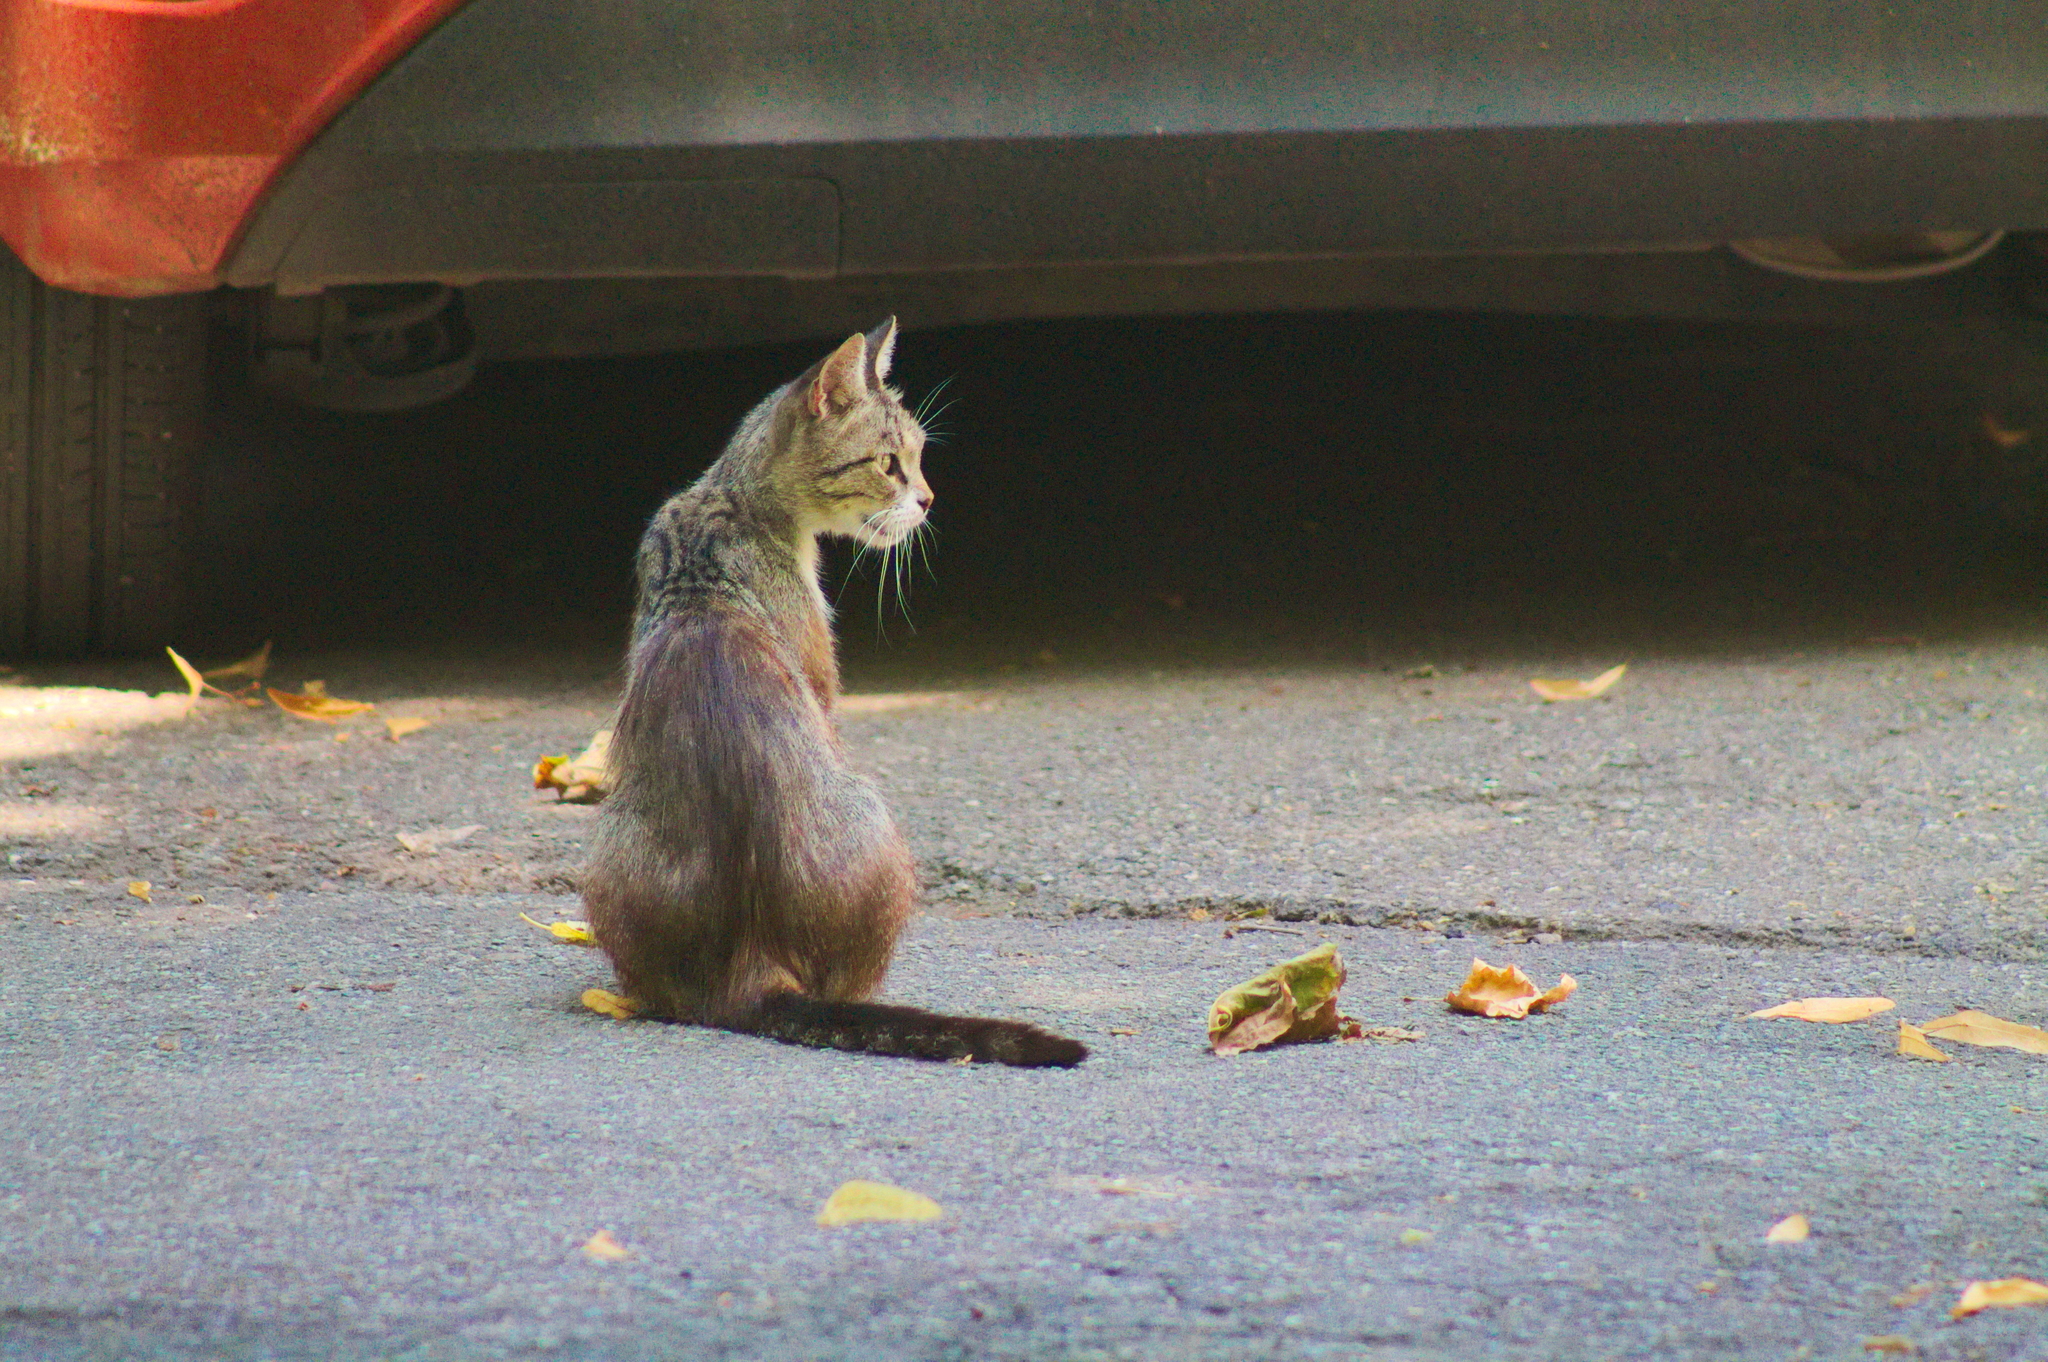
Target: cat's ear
(842, 379)
(881, 349)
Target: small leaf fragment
(411, 723)
(1416, 1238)
(602, 1248)
(582, 779)
(610, 1004)
(2007, 1293)
(861, 1200)
(1897, 1345)
(139, 889)
(1504, 991)
(430, 841)
(1970, 1027)
(575, 933)
(253, 666)
(1826, 1009)
(1913, 1295)
(1295, 1000)
(193, 679)
(1793, 1229)
(1552, 691)
(1913, 1044)
(316, 704)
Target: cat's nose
(925, 497)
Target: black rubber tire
(102, 409)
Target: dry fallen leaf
(2008, 1293)
(411, 723)
(581, 779)
(575, 933)
(139, 889)
(1293, 1001)
(859, 1200)
(1913, 1295)
(1386, 1034)
(1826, 1009)
(610, 1004)
(602, 1248)
(1913, 1044)
(192, 677)
(1970, 1027)
(1551, 691)
(253, 666)
(315, 703)
(430, 842)
(1897, 1344)
(1505, 991)
(2005, 437)
(1793, 1229)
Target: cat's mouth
(887, 528)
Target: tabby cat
(743, 875)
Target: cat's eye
(889, 466)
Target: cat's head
(853, 463)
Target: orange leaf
(1896, 1344)
(2007, 1293)
(1827, 1009)
(1981, 1028)
(602, 1248)
(253, 666)
(1913, 1044)
(1504, 991)
(411, 723)
(1793, 1229)
(610, 1004)
(316, 705)
(1553, 691)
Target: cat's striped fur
(743, 875)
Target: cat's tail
(886, 1029)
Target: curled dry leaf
(1793, 1229)
(316, 704)
(581, 779)
(1897, 1345)
(430, 842)
(1295, 1000)
(2007, 1293)
(1504, 991)
(193, 679)
(139, 889)
(1913, 1044)
(859, 1200)
(1826, 1009)
(575, 933)
(411, 723)
(1552, 691)
(610, 1004)
(602, 1248)
(253, 666)
(1970, 1027)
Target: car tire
(102, 407)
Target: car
(375, 198)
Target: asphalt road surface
(1225, 652)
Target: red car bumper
(136, 136)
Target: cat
(742, 874)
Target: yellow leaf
(1826, 1009)
(858, 1200)
(192, 678)
(1981, 1028)
(610, 1004)
(139, 889)
(398, 728)
(2008, 1293)
(575, 933)
(316, 704)
(253, 666)
(1793, 1229)
(1913, 1044)
(1504, 991)
(1293, 1001)
(1552, 691)
(1890, 1343)
(1913, 1295)
(602, 1248)
(581, 779)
